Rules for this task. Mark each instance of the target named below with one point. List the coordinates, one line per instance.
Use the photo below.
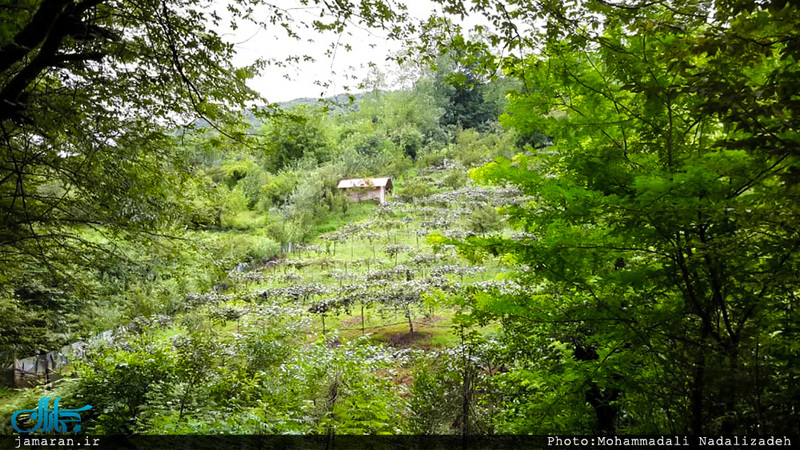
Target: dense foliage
(661, 243)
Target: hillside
(362, 309)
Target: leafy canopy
(661, 251)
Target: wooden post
(363, 331)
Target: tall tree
(460, 85)
(292, 136)
(661, 252)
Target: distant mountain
(337, 103)
(341, 102)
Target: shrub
(264, 250)
(431, 159)
(414, 189)
(122, 384)
(434, 397)
(277, 189)
(485, 219)
(456, 179)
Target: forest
(593, 224)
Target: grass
(243, 220)
(359, 255)
(14, 400)
(435, 332)
(6, 393)
(355, 212)
(169, 332)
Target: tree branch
(33, 34)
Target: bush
(485, 219)
(235, 201)
(124, 386)
(473, 149)
(277, 228)
(434, 397)
(231, 249)
(456, 179)
(264, 250)
(409, 140)
(369, 146)
(251, 185)
(431, 159)
(277, 189)
(416, 188)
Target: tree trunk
(605, 412)
(729, 422)
(466, 394)
(698, 389)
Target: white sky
(342, 69)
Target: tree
(463, 92)
(484, 219)
(661, 251)
(289, 138)
(94, 95)
(88, 93)
(410, 141)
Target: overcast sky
(341, 68)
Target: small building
(360, 189)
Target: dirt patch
(404, 377)
(430, 320)
(419, 339)
(351, 322)
(275, 261)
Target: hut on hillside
(360, 189)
